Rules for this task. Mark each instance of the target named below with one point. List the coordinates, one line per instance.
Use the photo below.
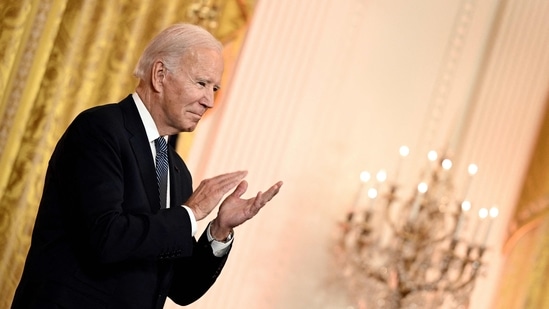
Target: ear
(158, 73)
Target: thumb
(240, 189)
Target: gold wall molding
(525, 221)
(527, 241)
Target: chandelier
(419, 249)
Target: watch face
(229, 237)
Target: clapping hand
(210, 191)
(234, 210)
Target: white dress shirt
(219, 248)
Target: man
(112, 230)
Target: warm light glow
(446, 164)
(404, 151)
(483, 213)
(432, 155)
(465, 205)
(381, 176)
(494, 212)
(422, 187)
(372, 193)
(473, 169)
(365, 176)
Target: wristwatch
(229, 237)
(226, 240)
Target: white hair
(171, 43)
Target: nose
(208, 98)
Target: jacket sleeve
(194, 275)
(106, 199)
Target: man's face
(189, 89)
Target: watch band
(229, 237)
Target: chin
(189, 129)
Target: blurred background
(317, 93)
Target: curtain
(59, 57)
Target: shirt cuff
(193, 220)
(219, 248)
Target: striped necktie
(162, 169)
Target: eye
(202, 84)
(216, 88)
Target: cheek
(191, 95)
(177, 96)
(180, 103)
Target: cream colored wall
(326, 89)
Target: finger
(257, 204)
(227, 177)
(240, 189)
(230, 180)
(262, 198)
(223, 183)
(273, 190)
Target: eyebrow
(209, 81)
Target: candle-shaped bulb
(472, 169)
(372, 193)
(446, 164)
(432, 156)
(494, 212)
(465, 206)
(422, 187)
(483, 213)
(404, 151)
(365, 176)
(381, 176)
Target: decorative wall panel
(324, 91)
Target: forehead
(203, 62)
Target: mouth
(198, 115)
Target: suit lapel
(175, 179)
(141, 150)
(180, 179)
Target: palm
(234, 210)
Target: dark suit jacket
(100, 239)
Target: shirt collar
(146, 118)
